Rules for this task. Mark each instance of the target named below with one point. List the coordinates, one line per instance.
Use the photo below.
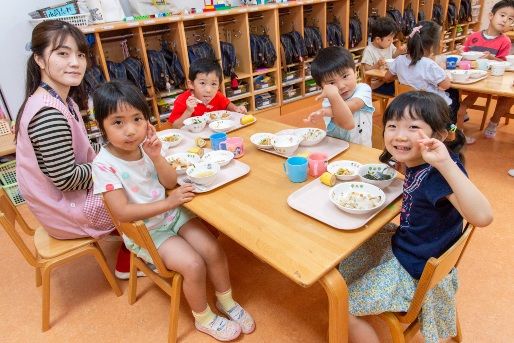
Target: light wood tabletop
(492, 85)
(253, 211)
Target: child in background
(133, 177)
(383, 273)
(347, 105)
(418, 70)
(203, 95)
(381, 48)
(496, 45)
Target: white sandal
(220, 328)
(240, 316)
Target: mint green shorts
(161, 234)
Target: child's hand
(316, 115)
(380, 63)
(402, 49)
(191, 103)
(328, 92)
(241, 109)
(181, 195)
(433, 150)
(459, 48)
(152, 144)
(488, 55)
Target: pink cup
(234, 144)
(317, 164)
(465, 65)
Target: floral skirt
(378, 283)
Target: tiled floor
(84, 309)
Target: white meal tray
(312, 200)
(207, 131)
(232, 171)
(187, 142)
(329, 145)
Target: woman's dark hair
(428, 107)
(51, 33)
(423, 41)
(204, 66)
(502, 4)
(383, 27)
(110, 95)
(330, 62)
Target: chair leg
(395, 328)
(100, 259)
(132, 287)
(458, 337)
(486, 112)
(176, 287)
(38, 277)
(507, 120)
(46, 270)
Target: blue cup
(216, 139)
(451, 62)
(296, 168)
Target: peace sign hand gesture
(433, 150)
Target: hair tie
(453, 128)
(415, 30)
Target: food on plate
(378, 175)
(328, 179)
(359, 200)
(196, 150)
(200, 142)
(345, 171)
(247, 119)
(179, 163)
(204, 173)
(171, 138)
(265, 141)
(224, 115)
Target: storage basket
(8, 173)
(14, 194)
(4, 127)
(77, 19)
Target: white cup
(460, 75)
(498, 68)
(483, 63)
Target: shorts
(161, 234)
(385, 88)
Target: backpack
(299, 45)
(228, 58)
(116, 71)
(158, 69)
(93, 78)
(200, 50)
(335, 35)
(451, 14)
(465, 11)
(409, 20)
(175, 69)
(289, 51)
(437, 14)
(313, 41)
(355, 32)
(421, 15)
(135, 73)
(262, 51)
(397, 17)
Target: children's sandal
(490, 130)
(220, 328)
(240, 316)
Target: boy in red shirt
(203, 95)
(496, 45)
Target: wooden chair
(485, 108)
(435, 270)
(382, 98)
(168, 280)
(400, 88)
(50, 252)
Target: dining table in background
(253, 211)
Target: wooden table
(253, 211)
(7, 144)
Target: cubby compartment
(200, 34)
(426, 7)
(264, 82)
(263, 25)
(291, 93)
(291, 31)
(314, 21)
(266, 100)
(359, 12)
(242, 90)
(291, 75)
(311, 87)
(337, 14)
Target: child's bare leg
(179, 256)
(503, 106)
(204, 243)
(361, 331)
(467, 102)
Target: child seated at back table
(347, 107)
(496, 46)
(203, 95)
(133, 176)
(380, 49)
(383, 274)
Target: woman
(53, 152)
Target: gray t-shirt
(424, 75)
(372, 54)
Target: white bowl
(357, 197)
(389, 62)
(498, 68)
(221, 157)
(203, 173)
(510, 59)
(344, 170)
(262, 140)
(310, 135)
(221, 125)
(285, 144)
(182, 160)
(377, 170)
(172, 139)
(460, 75)
(217, 115)
(195, 124)
(476, 74)
(472, 55)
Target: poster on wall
(4, 108)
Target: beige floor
(84, 309)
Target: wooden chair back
(9, 217)
(400, 88)
(435, 270)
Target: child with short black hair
(133, 177)
(204, 79)
(347, 108)
(380, 48)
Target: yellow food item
(204, 173)
(200, 142)
(474, 64)
(247, 119)
(196, 150)
(328, 179)
(344, 171)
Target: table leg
(337, 293)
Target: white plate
(349, 194)
(221, 157)
(218, 115)
(186, 159)
(172, 139)
(257, 139)
(352, 166)
(221, 125)
(311, 136)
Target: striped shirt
(50, 135)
